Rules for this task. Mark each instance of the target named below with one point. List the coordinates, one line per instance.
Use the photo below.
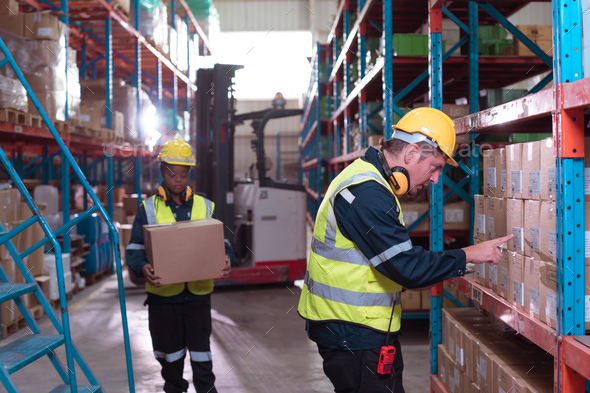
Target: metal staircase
(26, 350)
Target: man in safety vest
(361, 256)
(179, 314)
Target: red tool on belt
(387, 353)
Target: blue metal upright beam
(318, 132)
(108, 110)
(387, 39)
(137, 85)
(435, 57)
(362, 67)
(473, 160)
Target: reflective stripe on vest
(341, 283)
(159, 213)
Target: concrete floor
(258, 343)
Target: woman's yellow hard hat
(428, 125)
(177, 152)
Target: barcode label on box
(85, 118)
(587, 244)
(476, 293)
(453, 215)
(519, 293)
(534, 301)
(503, 179)
(459, 355)
(587, 309)
(494, 274)
(45, 31)
(516, 182)
(452, 384)
(457, 377)
(442, 373)
(553, 243)
(586, 181)
(491, 173)
(483, 368)
(410, 217)
(518, 238)
(504, 278)
(552, 183)
(491, 230)
(551, 309)
(535, 182)
(535, 238)
(481, 223)
(451, 346)
(481, 270)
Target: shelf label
(518, 238)
(521, 326)
(553, 243)
(535, 238)
(503, 180)
(534, 304)
(491, 231)
(491, 173)
(481, 223)
(476, 294)
(552, 184)
(534, 182)
(586, 181)
(519, 293)
(18, 129)
(504, 278)
(494, 274)
(516, 182)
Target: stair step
(81, 389)
(9, 291)
(27, 349)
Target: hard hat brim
(450, 159)
(178, 161)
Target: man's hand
(489, 251)
(227, 269)
(152, 279)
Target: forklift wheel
(138, 281)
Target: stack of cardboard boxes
(542, 35)
(519, 199)
(475, 358)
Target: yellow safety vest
(341, 284)
(159, 213)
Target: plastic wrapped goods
(182, 43)
(173, 41)
(12, 94)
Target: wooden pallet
(62, 127)
(35, 121)
(10, 327)
(91, 279)
(38, 312)
(12, 116)
(119, 140)
(106, 134)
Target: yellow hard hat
(177, 152)
(428, 125)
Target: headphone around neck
(397, 177)
(164, 193)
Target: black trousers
(176, 328)
(356, 371)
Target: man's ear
(412, 151)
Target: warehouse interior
(250, 119)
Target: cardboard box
(413, 211)
(442, 364)
(8, 7)
(10, 206)
(130, 204)
(496, 217)
(455, 111)
(92, 114)
(532, 230)
(516, 294)
(514, 171)
(503, 272)
(411, 300)
(587, 231)
(425, 301)
(515, 376)
(456, 216)
(43, 26)
(531, 171)
(532, 276)
(548, 293)
(479, 227)
(14, 24)
(545, 45)
(547, 224)
(481, 270)
(124, 238)
(489, 173)
(199, 250)
(548, 170)
(500, 158)
(515, 224)
(374, 140)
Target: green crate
(520, 138)
(496, 97)
(397, 117)
(412, 44)
(491, 32)
(493, 47)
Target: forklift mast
(214, 141)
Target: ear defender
(163, 193)
(397, 177)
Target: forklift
(264, 219)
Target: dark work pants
(176, 328)
(355, 371)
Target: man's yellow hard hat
(177, 152)
(428, 125)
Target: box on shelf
(547, 225)
(482, 270)
(199, 250)
(546, 46)
(92, 114)
(10, 204)
(531, 170)
(14, 24)
(514, 171)
(455, 111)
(496, 217)
(43, 26)
(532, 277)
(456, 216)
(479, 227)
(442, 363)
(413, 211)
(500, 158)
(532, 230)
(8, 7)
(411, 300)
(504, 275)
(515, 224)
(548, 171)
(548, 293)
(489, 173)
(130, 204)
(516, 264)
